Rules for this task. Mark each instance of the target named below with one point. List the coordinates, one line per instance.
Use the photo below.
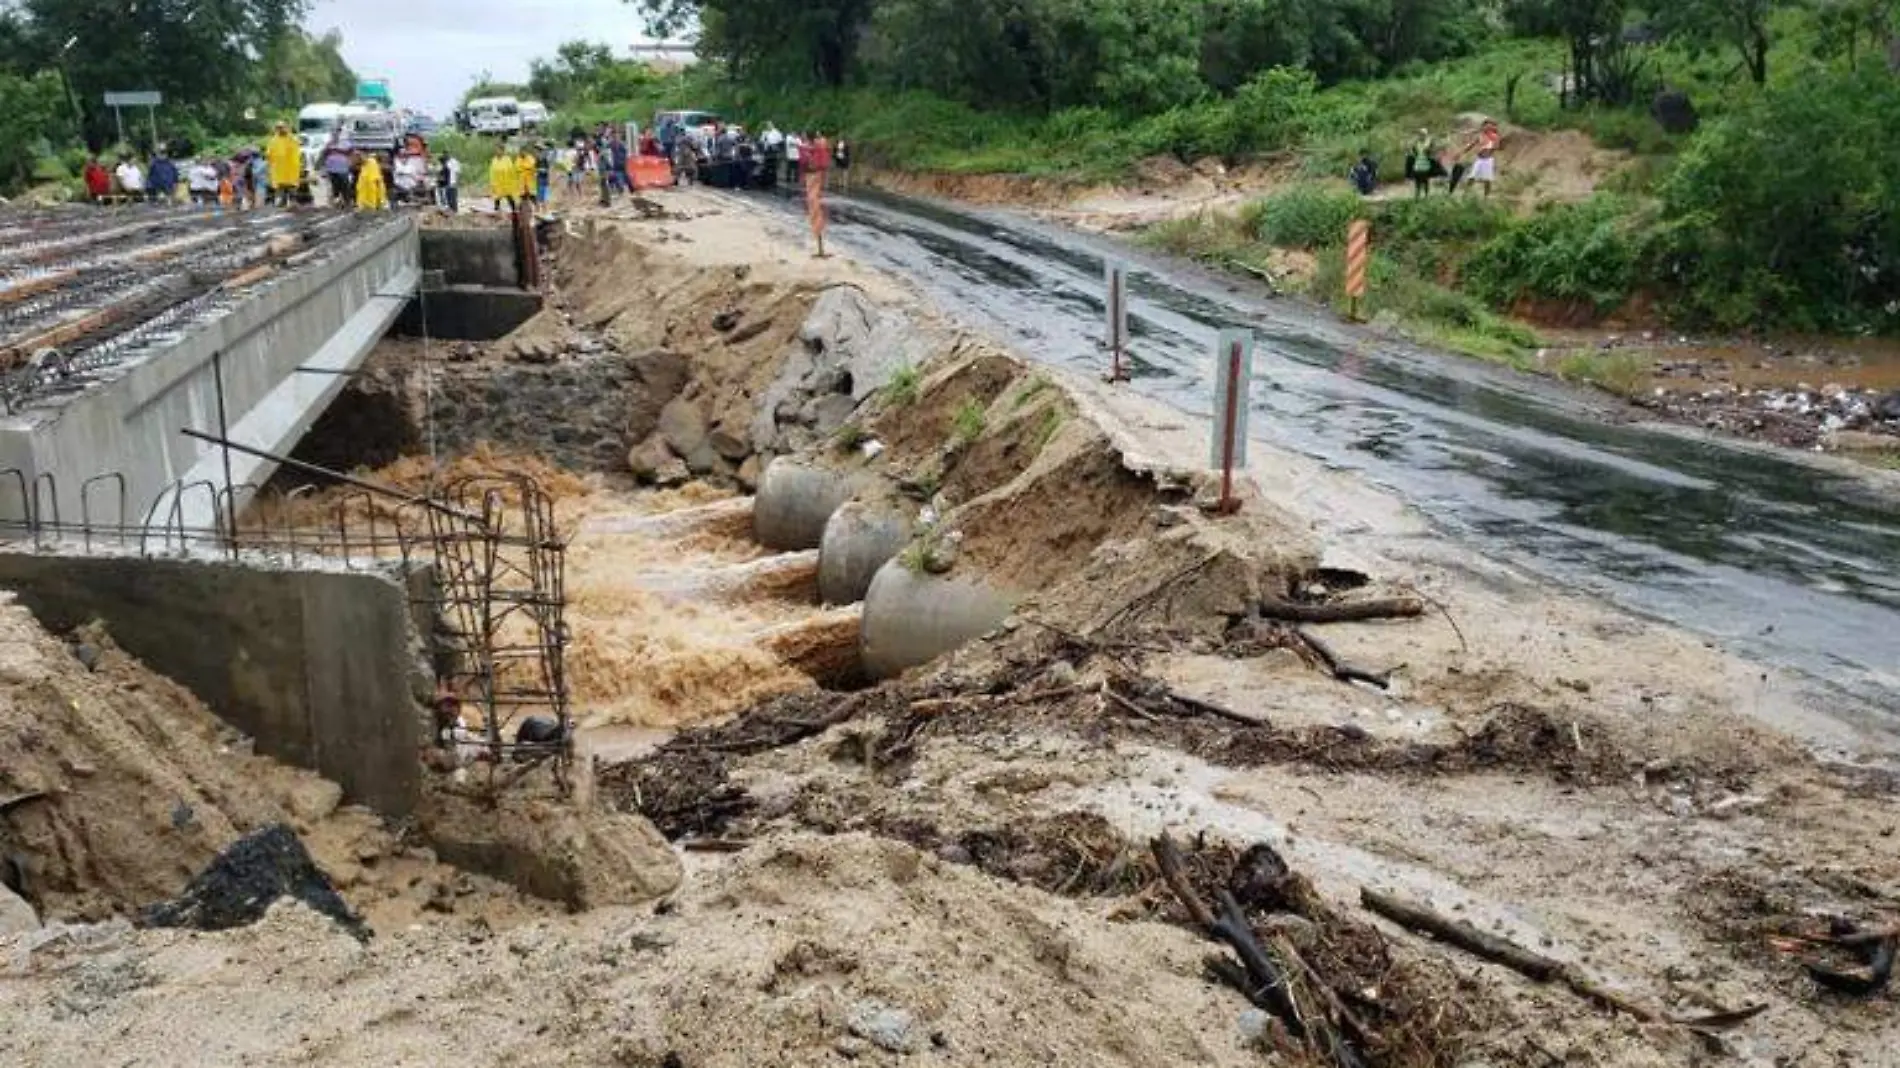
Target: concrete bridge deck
(120, 329)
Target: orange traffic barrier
(650, 172)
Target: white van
(495, 115)
(315, 124)
(534, 114)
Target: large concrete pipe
(860, 537)
(911, 619)
(795, 499)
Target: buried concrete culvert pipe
(911, 618)
(860, 538)
(795, 500)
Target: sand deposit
(955, 867)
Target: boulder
(1674, 112)
(579, 855)
(730, 444)
(312, 799)
(828, 412)
(663, 373)
(683, 425)
(653, 463)
(751, 471)
(16, 916)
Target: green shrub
(1458, 219)
(1589, 251)
(1304, 216)
(902, 390)
(1786, 212)
(968, 424)
(1629, 130)
(1622, 373)
(1029, 391)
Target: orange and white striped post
(1358, 257)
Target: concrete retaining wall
(484, 257)
(467, 313)
(323, 669)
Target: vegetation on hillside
(1777, 211)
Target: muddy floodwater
(1766, 554)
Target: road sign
(1358, 256)
(1233, 395)
(134, 100)
(1117, 283)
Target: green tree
(813, 40)
(1133, 55)
(298, 69)
(1744, 25)
(576, 66)
(32, 112)
(1601, 67)
(201, 54)
(1787, 210)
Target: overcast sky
(432, 50)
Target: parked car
(495, 115)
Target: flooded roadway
(1771, 557)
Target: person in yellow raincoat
(502, 181)
(285, 157)
(525, 175)
(371, 193)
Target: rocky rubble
(846, 349)
(579, 412)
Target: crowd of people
(253, 177)
(602, 163)
(728, 156)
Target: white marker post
(1233, 396)
(1117, 282)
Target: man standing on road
(131, 178)
(285, 159)
(617, 153)
(336, 167)
(163, 177)
(451, 183)
(201, 178)
(814, 163)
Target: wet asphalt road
(1769, 556)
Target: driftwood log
(1530, 964)
(1343, 670)
(1346, 612)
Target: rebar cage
(491, 544)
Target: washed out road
(1772, 557)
